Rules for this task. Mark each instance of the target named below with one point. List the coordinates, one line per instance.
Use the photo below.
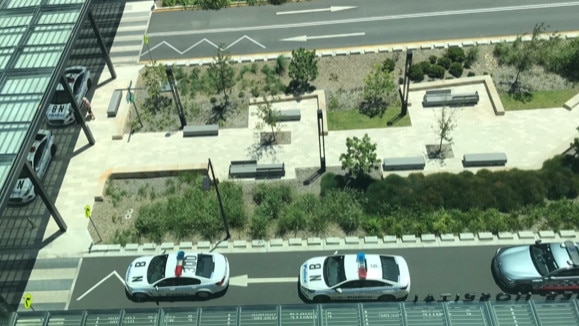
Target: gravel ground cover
(341, 77)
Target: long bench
(289, 115)
(114, 103)
(484, 159)
(266, 171)
(250, 169)
(243, 169)
(444, 97)
(201, 130)
(404, 163)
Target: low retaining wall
(333, 243)
(486, 80)
(143, 172)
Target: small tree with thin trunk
(360, 156)
(221, 74)
(445, 127)
(269, 116)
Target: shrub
(150, 222)
(445, 62)
(436, 71)
(277, 2)
(388, 65)
(455, 69)
(455, 54)
(343, 208)
(372, 226)
(471, 57)
(233, 205)
(292, 219)
(416, 74)
(331, 181)
(432, 59)
(258, 227)
(470, 74)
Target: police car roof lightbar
(361, 260)
(179, 267)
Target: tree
(268, 115)
(378, 85)
(221, 74)
(445, 127)
(154, 77)
(303, 68)
(575, 145)
(522, 55)
(360, 156)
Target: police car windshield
(156, 269)
(543, 259)
(334, 272)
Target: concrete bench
(404, 163)
(266, 171)
(444, 97)
(114, 103)
(484, 159)
(202, 130)
(242, 169)
(289, 115)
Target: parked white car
(178, 274)
(59, 112)
(354, 277)
(40, 155)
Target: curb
(335, 243)
(382, 48)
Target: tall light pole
(206, 186)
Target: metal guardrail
(555, 312)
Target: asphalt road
(192, 34)
(455, 270)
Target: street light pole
(207, 186)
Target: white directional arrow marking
(243, 280)
(307, 11)
(305, 38)
(101, 282)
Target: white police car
(178, 274)
(59, 111)
(355, 277)
(42, 151)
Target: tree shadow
(259, 150)
(372, 110)
(520, 93)
(219, 112)
(298, 89)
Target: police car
(354, 277)
(178, 274)
(538, 267)
(59, 111)
(41, 153)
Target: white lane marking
(247, 38)
(305, 38)
(177, 50)
(307, 11)
(368, 19)
(101, 282)
(244, 280)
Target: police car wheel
(321, 299)
(203, 295)
(387, 297)
(53, 150)
(524, 288)
(139, 297)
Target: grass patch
(353, 119)
(538, 99)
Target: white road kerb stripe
(368, 19)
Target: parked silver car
(59, 112)
(40, 155)
(178, 274)
(538, 267)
